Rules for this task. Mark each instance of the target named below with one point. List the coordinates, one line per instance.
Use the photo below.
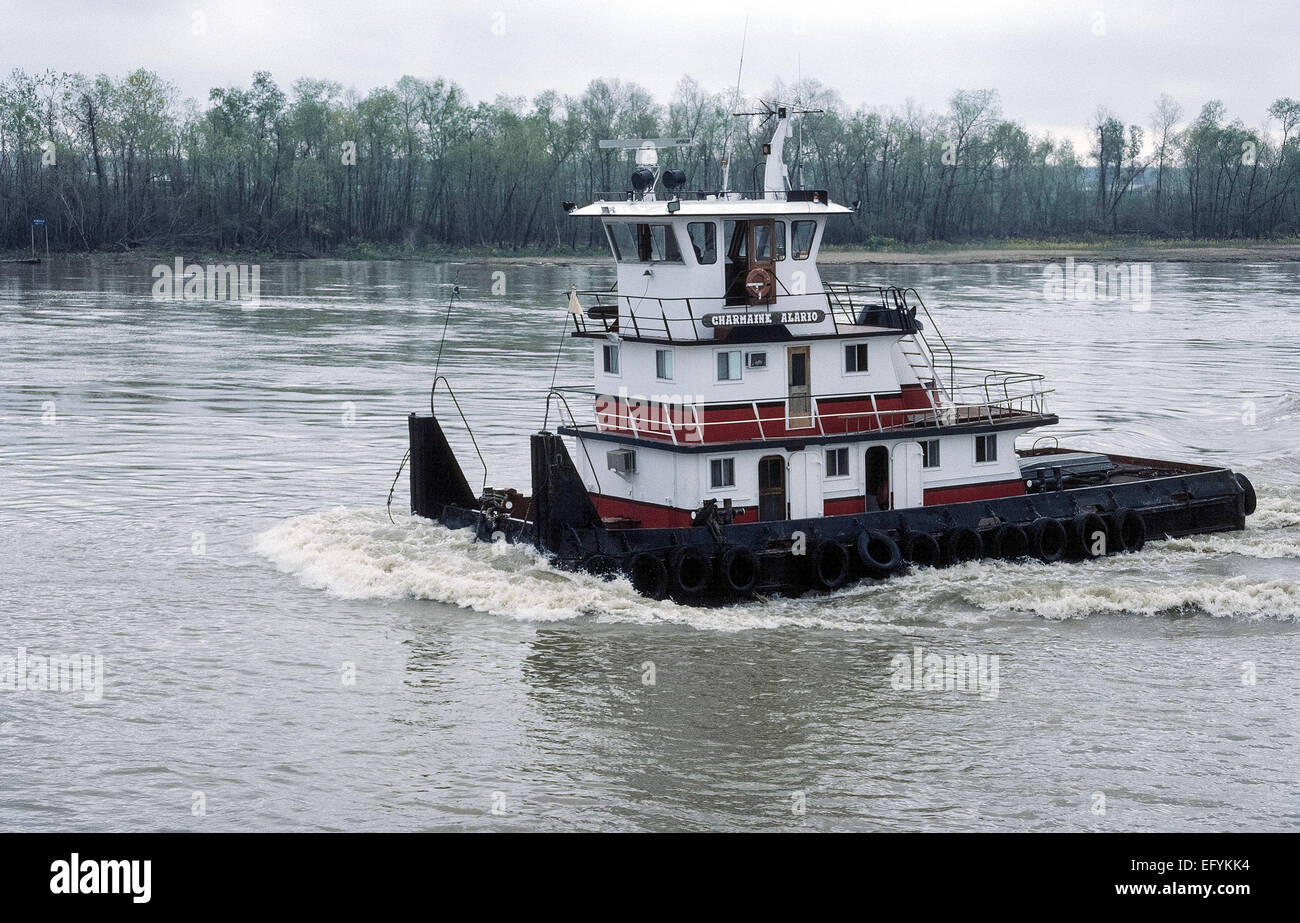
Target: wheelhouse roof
(620, 208)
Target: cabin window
(762, 244)
(803, 233)
(737, 239)
(729, 365)
(986, 448)
(722, 473)
(855, 357)
(658, 243)
(780, 240)
(930, 453)
(644, 243)
(664, 364)
(610, 353)
(704, 240)
(623, 236)
(837, 463)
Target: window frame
(740, 365)
(713, 228)
(925, 454)
(812, 241)
(668, 352)
(986, 439)
(723, 461)
(839, 452)
(864, 345)
(644, 242)
(616, 350)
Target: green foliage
(417, 167)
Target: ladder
(920, 357)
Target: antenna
(798, 100)
(735, 98)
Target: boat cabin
(728, 375)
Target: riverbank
(1008, 251)
(1145, 251)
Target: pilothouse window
(644, 243)
(704, 240)
(803, 233)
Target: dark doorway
(771, 488)
(762, 255)
(736, 239)
(799, 393)
(877, 491)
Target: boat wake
(359, 554)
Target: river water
(194, 491)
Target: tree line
(124, 163)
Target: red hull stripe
(963, 493)
(621, 512)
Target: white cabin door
(805, 489)
(909, 490)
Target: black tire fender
(600, 565)
(1249, 490)
(690, 570)
(962, 544)
(1048, 539)
(922, 549)
(1086, 526)
(649, 575)
(738, 570)
(1130, 530)
(878, 553)
(1012, 541)
(828, 565)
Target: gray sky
(1052, 62)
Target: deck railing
(682, 319)
(998, 397)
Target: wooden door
(799, 387)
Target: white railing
(998, 397)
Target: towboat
(754, 430)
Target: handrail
(555, 392)
(841, 306)
(433, 389)
(1031, 401)
(937, 332)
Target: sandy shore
(1246, 253)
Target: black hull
(708, 564)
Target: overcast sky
(1052, 62)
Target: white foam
(1239, 597)
(359, 554)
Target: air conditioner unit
(622, 461)
(756, 360)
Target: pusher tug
(757, 431)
